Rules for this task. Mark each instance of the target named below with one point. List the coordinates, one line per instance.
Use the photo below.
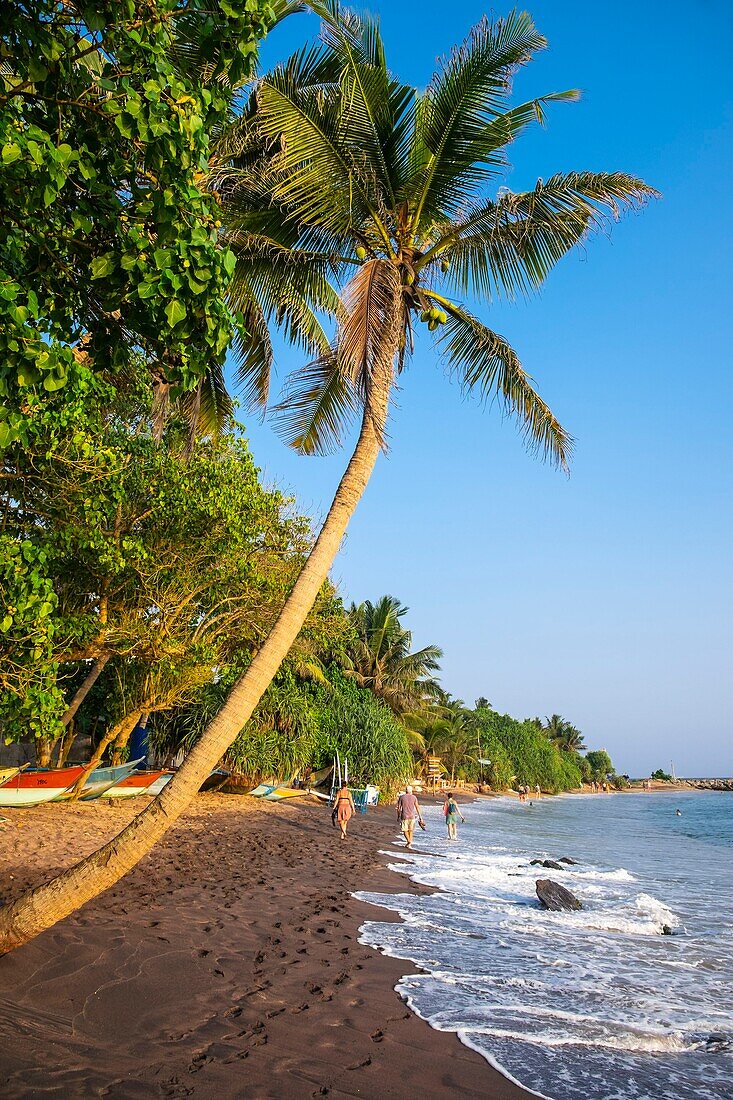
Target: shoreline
(227, 964)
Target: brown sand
(226, 965)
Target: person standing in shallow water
(452, 813)
(345, 809)
(408, 812)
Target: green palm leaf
(317, 407)
(484, 361)
(510, 245)
(464, 97)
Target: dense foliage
(107, 236)
(301, 724)
(109, 257)
(161, 557)
(523, 755)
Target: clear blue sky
(607, 596)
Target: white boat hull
(29, 796)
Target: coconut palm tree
(562, 733)
(400, 188)
(381, 657)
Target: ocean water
(588, 1005)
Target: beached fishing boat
(215, 779)
(7, 773)
(261, 790)
(137, 783)
(277, 794)
(157, 786)
(100, 780)
(31, 788)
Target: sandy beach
(227, 964)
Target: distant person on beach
(345, 809)
(537, 790)
(408, 812)
(452, 813)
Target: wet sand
(226, 965)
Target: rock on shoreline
(555, 897)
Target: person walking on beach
(345, 809)
(537, 790)
(452, 813)
(408, 812)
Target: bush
(520, 752)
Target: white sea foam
(602, 988)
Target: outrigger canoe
(279, 793)
(273, 793)
(31, 788)
(137, 783)
(100, 780)
(8, 773)
(157, 785)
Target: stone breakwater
(710, 784)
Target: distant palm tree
(382, 660)
(361, 174)
(562, 733)
(553, 726)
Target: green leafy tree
(107, 238)
(600, 764)
(149, 561)
(109, 244)
(397, 196)
(526, 749)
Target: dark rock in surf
(567, 859)
(536, 863)
(667, 930)
(555, 897)
(551, 865)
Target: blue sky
(606, 597)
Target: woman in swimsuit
(345, 808)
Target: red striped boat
(137, 783)
(31, 788)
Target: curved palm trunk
(83, 690)
(41, 908)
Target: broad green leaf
(175, 311)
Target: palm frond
(317, 407)
(484, 361)
(379, 109)
(253, 349)
(466, 95)
(320, 180)
(510, 245)
(208, 408)
(283, 288)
